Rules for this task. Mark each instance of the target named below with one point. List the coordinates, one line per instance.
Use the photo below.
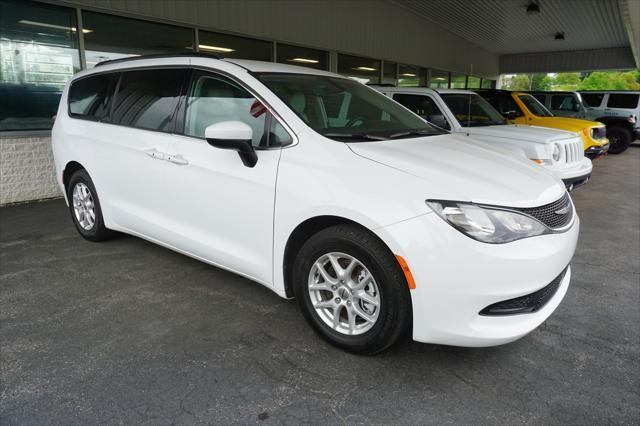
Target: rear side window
(422, 105)
(90, 97)
(623, 100)
(147, 99)
(592, 99)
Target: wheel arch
(69, 169)
(302, 233)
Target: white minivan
(319, 188)
(467, 113)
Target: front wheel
(351, 289)
(619, 138)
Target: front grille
(526, 304)
(598, 132)
(554, 215)
(573, 152)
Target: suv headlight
(487, 224)
(556, 152)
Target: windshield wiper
(416, 133)
(361, 136)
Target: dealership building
(428, 43)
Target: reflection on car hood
(567, 123)
(536, 134)
(455, 168)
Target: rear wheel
(619, 138)
(351, 289)
(84, 207)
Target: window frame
(121, 71)
(181, 111)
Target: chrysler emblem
(563, 210)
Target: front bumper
(457, 277)
(596, 151)
(575, 175)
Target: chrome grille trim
(547, 214)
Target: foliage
(598, 80)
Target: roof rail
(158, 56)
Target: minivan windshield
(472, 110)
(344, 109)
(535, 106)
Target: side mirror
(438, 120)
(509, 115)
(234, 135)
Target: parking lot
(130, 333)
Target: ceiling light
(364, 69)
(533, 8)
(440, 78)
(407, 74)
(559, 36)
(215, 48)
(304, 60)
(56, 27)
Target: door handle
(178, 159)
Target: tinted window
(364, 70)
(230, 46)
(503, 102)
(213, 99)
(620, 100)
(473, 82)
(564, 103)
(541, 98)
(38, 55)
(472, 110)
(535, 107)
(439, 79)
(295, 55)
(592, 99)
(147, 98)
(458, 81)
(111, 37)
(422, 105)
(91, 97)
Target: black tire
(97, 232)
(394, 316)
(619, 139)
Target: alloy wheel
(83, 206)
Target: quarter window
(213, 99)
(564, 103)
(147, 99)
(592, 99)
(90, 97)
(620, 100)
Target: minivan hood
(454, 168)
(535, 134)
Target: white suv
(321, 188)
(465, 112)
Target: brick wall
(26, 169)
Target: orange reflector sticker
(407, 272)
(536, 161)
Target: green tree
(541, 82)
(611, 80)
(566, 81)
(518, 82)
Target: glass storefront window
(38, 55)
(488, 84)
(389, 73)
(364, 70)
(439, 79)
(412, 76)
(295, 55)
(230, 46)
(458, 81)
(109, 37)
(473, 82)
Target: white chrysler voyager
(321, 188)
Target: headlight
(556, 152)
(487, 224)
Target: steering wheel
(354, 120)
